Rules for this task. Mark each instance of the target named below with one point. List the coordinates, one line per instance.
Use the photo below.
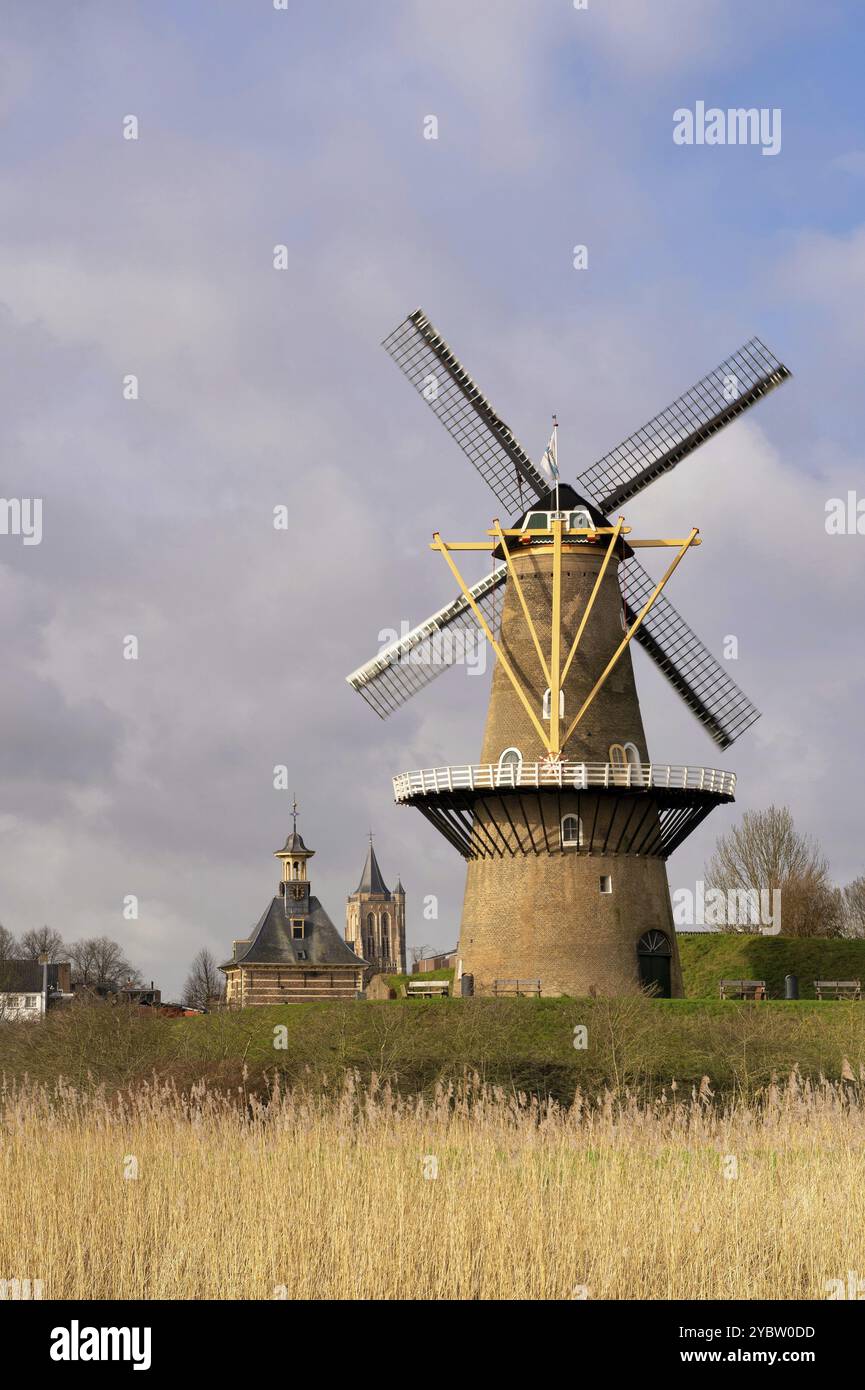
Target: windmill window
(572, 832)
(510, 765)
(537, 521)
(632, 756)
(626, 763)
(548, 702)
(605, 884)
(579, 520)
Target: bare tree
(100, 962)
(853, 907)
(419, 953)
(8, 944)
(43, 941)
(766, 852)
(203, 983)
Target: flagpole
(556, 436)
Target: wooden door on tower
(655, 956)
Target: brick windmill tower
(565, 821)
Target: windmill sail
(739, 382)
(488, 443)
(721, 707)
(414, 660)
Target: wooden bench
(743, 989)
(838, 989)
(427, 989)
(518, 987)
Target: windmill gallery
(565, 821)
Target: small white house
(28, 988)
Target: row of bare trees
(766, 851)
(95, 960)
(100, 962)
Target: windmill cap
(568, 500)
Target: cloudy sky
(258, 387)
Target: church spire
(371, 880)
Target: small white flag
(549, 462)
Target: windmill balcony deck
(484, 809)
(579, 776)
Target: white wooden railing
(578, 776)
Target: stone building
(295, 953)
(375, 920)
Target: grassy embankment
(522, 1044)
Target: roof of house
(271, 941)
(24, 977)
(371, 880)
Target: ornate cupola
(294, 886)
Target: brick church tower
(375, 920)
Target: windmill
(565, 821)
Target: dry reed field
(472, 1193)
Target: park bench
(838, 989)
(519, 987)
(743, 989)
(427, 989)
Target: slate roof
(294, 845)
(371, 880)
(271, 942)
(24, 977)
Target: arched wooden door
(655, 956)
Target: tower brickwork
(574, 918)
(375, 920)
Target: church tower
(375, 920)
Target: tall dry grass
(322, 1195)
